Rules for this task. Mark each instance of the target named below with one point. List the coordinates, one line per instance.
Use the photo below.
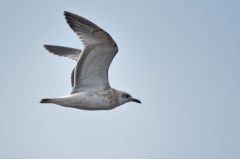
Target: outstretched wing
(70, 53)
(91, 71)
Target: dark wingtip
(66, 14)
(50, 48)
(45, 46)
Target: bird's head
(126, 97)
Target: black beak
(136, 100)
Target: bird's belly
(89, 101)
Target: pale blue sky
(181, 58)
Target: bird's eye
(126, 95)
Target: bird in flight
(90, 85)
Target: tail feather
(46, 100)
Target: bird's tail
(46, 100)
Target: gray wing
(91, 71)
(70, 53)
(72, 77)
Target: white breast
(87, 101)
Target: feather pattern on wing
(70, 53)
(91, 71)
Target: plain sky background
(181, 58)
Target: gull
(90, 85)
